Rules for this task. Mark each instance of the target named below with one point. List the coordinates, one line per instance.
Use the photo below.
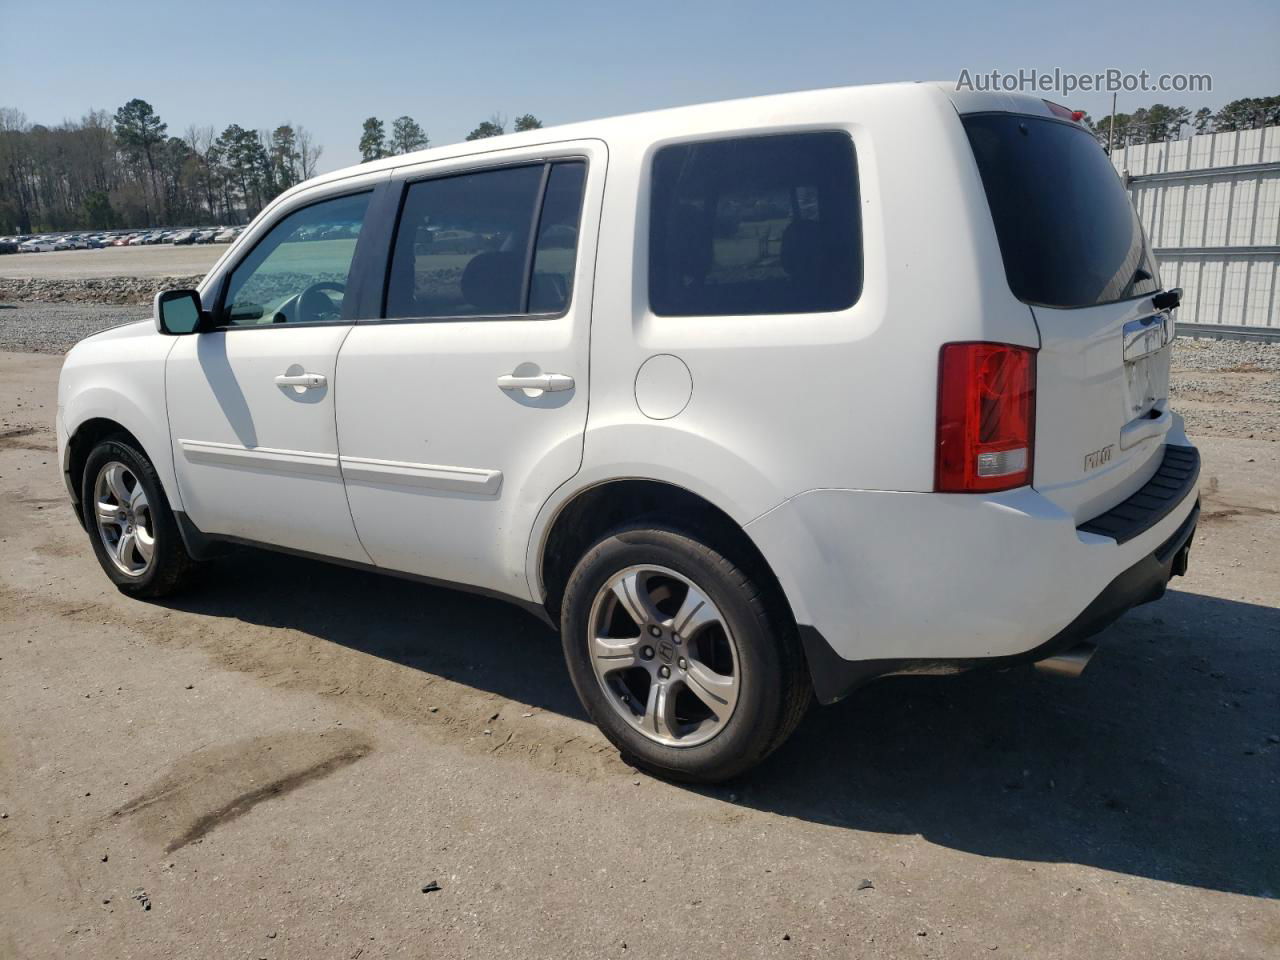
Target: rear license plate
(1145, 362)
(1146, 336)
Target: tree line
(407, 134)
(1160, 122)
(1152, 124)
(127, 170)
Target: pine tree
(406, 136)
(372, 140)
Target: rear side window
(463, 246)
(1069, 236)
(557, 248)
(755, 225)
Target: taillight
(986, 417)
(1066, 113)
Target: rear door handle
(550, 382)
(308, 381)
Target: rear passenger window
(755, 225)
(463, 245)
(557, 247)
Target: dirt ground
(277, 764)
(158, 260)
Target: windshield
(1068, 234)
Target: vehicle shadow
(1163, 761)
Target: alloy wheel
(664, 655)
(123, 518)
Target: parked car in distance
(182, 238)
(37, 245)
(225, 236)
(808, 390)
(8, 245)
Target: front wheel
(131, 526)
(678, 656)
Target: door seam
(337, 439)
(533, 550)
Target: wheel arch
(589, 513)
(105, 413)
(80, 443)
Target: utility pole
(1111, 131)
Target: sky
(328, 65)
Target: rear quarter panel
(845, 399)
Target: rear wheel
(678, 656)
(131, 526)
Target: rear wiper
(1140, 274)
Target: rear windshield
(1068, 234)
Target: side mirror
(177, 312)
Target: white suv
(755, 400)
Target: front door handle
(308, 381)
(550, 382)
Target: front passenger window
(298, 272)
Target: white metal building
(1211, 206)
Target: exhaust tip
(1069, 663)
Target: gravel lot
(57, 327)
(160, 260)
(278, 763)
(1239, 355)
(1228, 388)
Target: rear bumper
(886, 583)
(1144, 582)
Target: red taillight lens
(1066, 113)
(986, 417)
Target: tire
(684, 727)
(117, 468)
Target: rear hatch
(1075, 253)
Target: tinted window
(462, 248)
(557, 248)
(755, 225)
(298, 272)
(1068, 234)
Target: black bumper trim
(1158, 497)
(835, 677)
